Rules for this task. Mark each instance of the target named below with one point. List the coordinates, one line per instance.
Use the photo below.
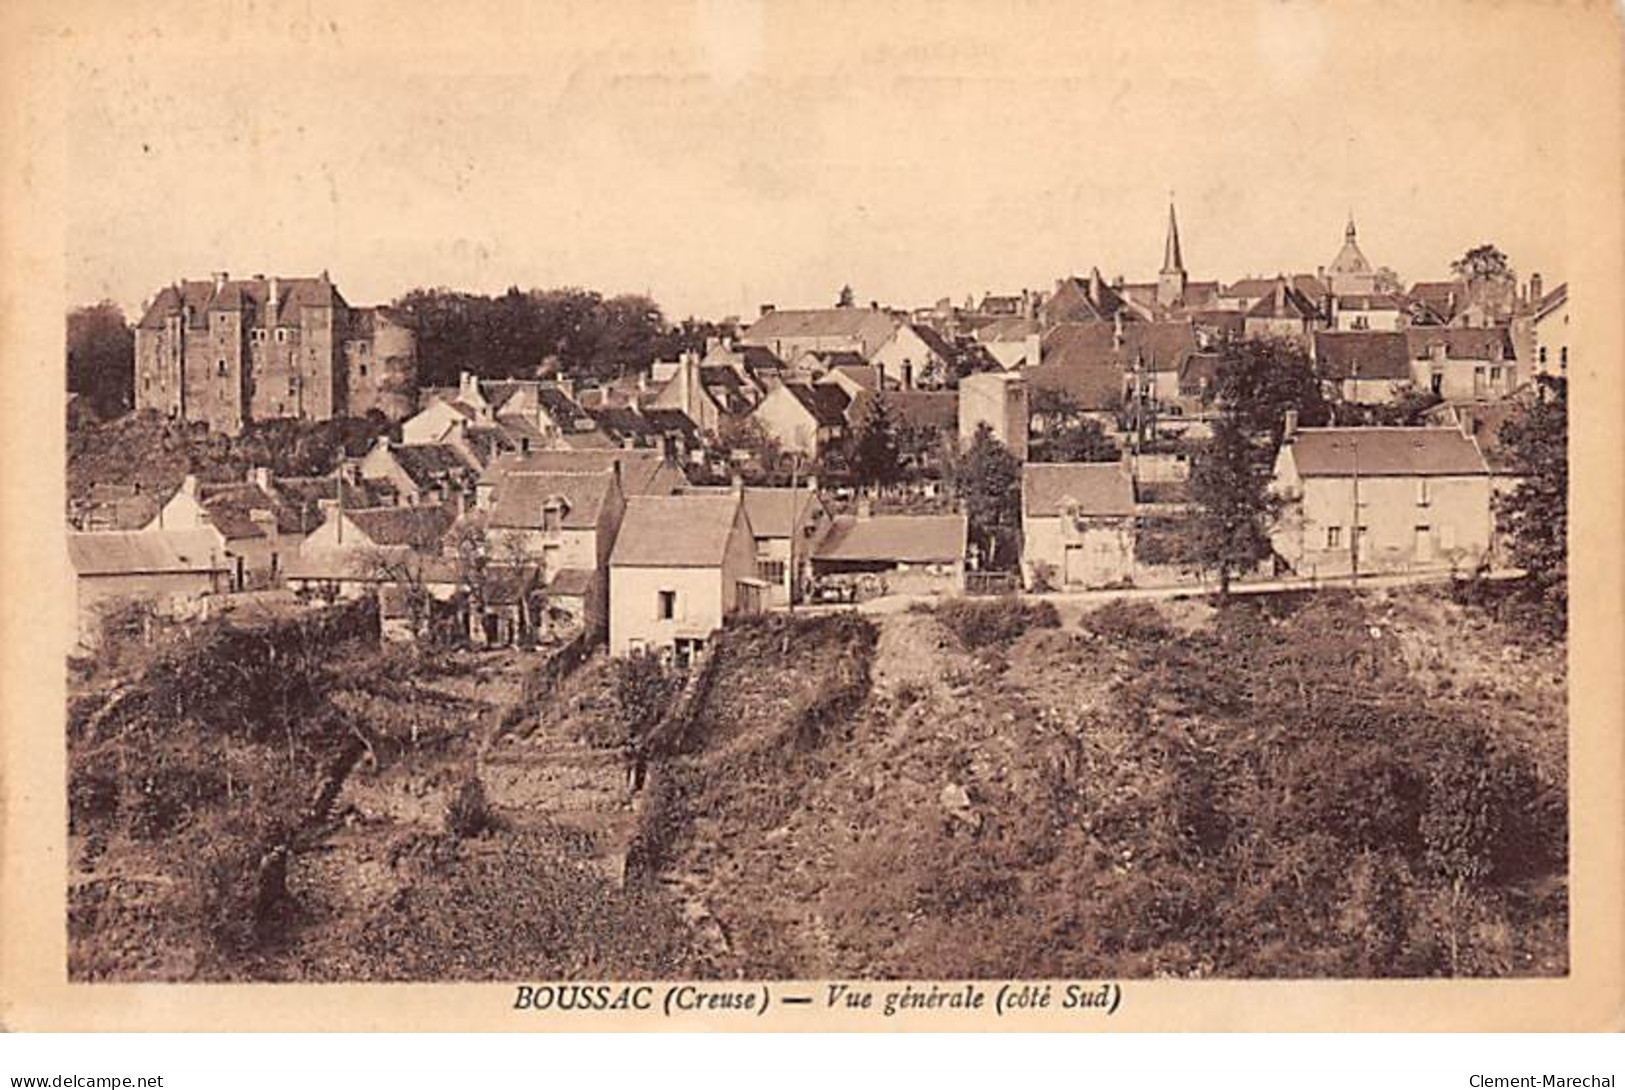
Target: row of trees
(513, 335)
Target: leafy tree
(1481, 264)
(1228, 530)
(1387, 282)
(101, 358)
(874, 447)
(1259, 381)
(1069, 434)
(1535, 514)
(987, 480)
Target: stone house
(1077, 524)
(1365, 368)
(681, 566)
(803, 418)
(789, 333)
(1382, 499)
(242, 517)
(998, 399)
(228, 352)
(911, 554)
(171, 570)
(782, 520)
(420, 472)
(565, 522)
(1457, 363)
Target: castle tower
(1171, 280)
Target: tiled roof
(1162, 346)
(571, 582)
(1007, 329)
(908, 539)
(1102, 489)
(521, 497)
(1095, 389)
(294, 294)
(826, 403)
(1440, 296)
(299, 508)
(420, 527)
(643, 472)
(1460, 343)
(232, 506)
(1378, 354)
(690, 530)
(1386, 452)
(143, 552)
(930, 409)
(1259, 286)
(1370, 302)
(769, 509)
(863, 322)
(429, 463)
(1284, 301)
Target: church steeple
(1348, 232)
(1171, 280)
(1171, 260)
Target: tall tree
(875, 460)
(1482, 264)
(1228, 532)
(1259, 381)
(1535, 515)
(101, 358)
(986, 478)
(1068, 433)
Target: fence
(992, 582)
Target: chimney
(1290, 427)
(1536, 284)
(766, 309)
(1034, 351)
(874, 304)
(467, 384)
(220, 279)
(189, 485)
(273, 300)
(812, 482)
(260, 477)
(1117, 331)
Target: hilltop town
(654, 622)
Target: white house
(680, 567)
(1382, 500)
(567, 522)
(782, 520)
(171, 570)
(1077, 525)
(803, 418)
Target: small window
(1334, 537)
(361, 348)
(551, 520)
(1543, 354)
(281, 336)
(220, 367)
(364, 370)
(293, 385)
(1495, 374)
(1563, 358)
(1424, 492)
(667, 606)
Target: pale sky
(731, 152)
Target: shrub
(1138, 621)
(469, 812)
(985, 624)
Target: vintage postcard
(753, 515)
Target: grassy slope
(1245, 795)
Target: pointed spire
(1172, 261)
(1348, 232)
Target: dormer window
(553, 515)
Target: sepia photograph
(745, 492)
